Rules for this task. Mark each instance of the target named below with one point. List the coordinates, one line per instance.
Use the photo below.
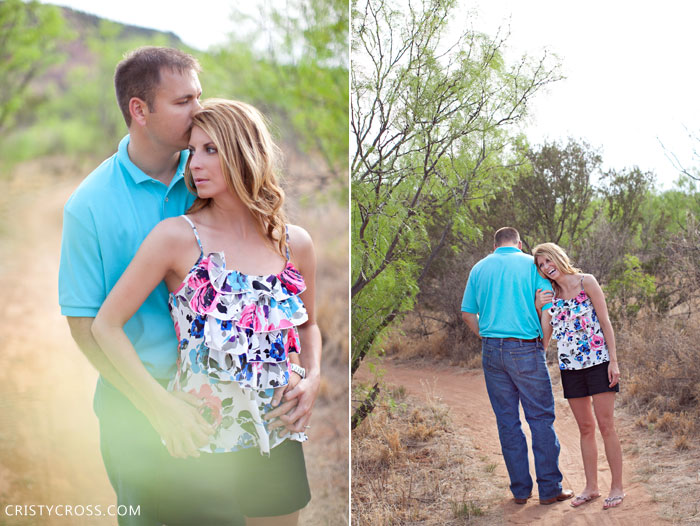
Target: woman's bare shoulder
(300, 243)
(175, 232)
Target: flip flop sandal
(613, 502)
(580, 500)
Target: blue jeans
(516, 372)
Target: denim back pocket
(529, 359)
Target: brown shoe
(522, 501)
(564, 495)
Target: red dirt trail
(464, 392)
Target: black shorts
(215, 489)
(246, 481)
(587, 382)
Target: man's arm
(81, 289)
(80, 330)
(472, 322)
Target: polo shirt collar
(138, 175)
(507, 250)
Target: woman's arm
(178, 422)
(593, 290)
(302, 397)
(545, 321)
(542, 298)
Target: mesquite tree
(432, 132)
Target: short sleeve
(544, 284)
(81, 280)
(469, 303)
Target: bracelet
(298, 369)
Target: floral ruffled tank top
(235, 333)
(580, 340)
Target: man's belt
(520, 340)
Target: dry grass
(659, 421)
(328, 447)
(661, 368)
(410, 466)
(426, 337)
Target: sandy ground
(49, 444)
(464, 391)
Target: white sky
(632, 74)
(631, 66)
(199, 24)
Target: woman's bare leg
(604, 407)
(583, 412)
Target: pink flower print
(211, 411)
(248, 318)
(292, 280)
(581, 297)
(584, 323)
(204, 299)
(596, 341)
(292, 343)
(177, 331)
(199, 276)
(285, 324)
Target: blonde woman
(241, 285)
(579, 321)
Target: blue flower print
(197, 327)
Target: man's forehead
(175, 81)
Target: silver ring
(307, 427)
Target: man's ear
(138, 110)
(520, 245)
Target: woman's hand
(294, 379)
(176, 417)
(542, 297)
(294, 412)
(613, 373)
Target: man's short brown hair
(138, 75)
(504, 235)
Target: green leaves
(431, 123)
(29, 33)
(294, 65)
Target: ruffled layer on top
(577, 317)
(239, 328)
(574, 314)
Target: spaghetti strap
(286, 233)
(196, 234)
(582, 276)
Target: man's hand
(542, 297)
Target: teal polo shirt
(501, 290)
(104, 222)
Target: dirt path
(464, 391)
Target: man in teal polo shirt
(499, 307)
(105, 221)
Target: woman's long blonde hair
(555, 253)
(250, 163)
